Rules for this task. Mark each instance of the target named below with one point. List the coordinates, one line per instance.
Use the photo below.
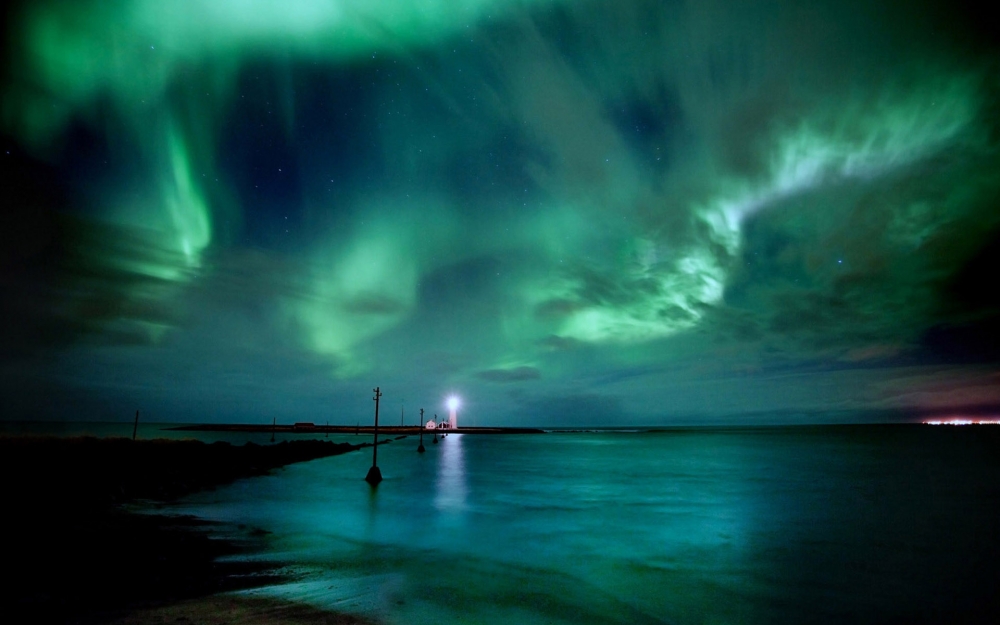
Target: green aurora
(570, 213)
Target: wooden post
(274, 422)
(420, 448)
(374, 475)
(136, 426)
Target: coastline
(388, 430)
(224, 609)
(76, 552)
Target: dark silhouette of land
(310, 428)
(73, 552)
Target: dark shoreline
(406, 430)
(75, 553)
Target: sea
(797, 524)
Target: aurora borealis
(568, 213)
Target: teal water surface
(775, 525)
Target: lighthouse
(452, 412)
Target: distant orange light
(963, 421)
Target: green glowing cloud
(139, 56)
(134, 50)
(866, 137)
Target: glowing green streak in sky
(188, 211)
(359, 294)
(173, 218)
(859, 140)
(364, 278)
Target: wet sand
(233, 609)
(75, 551)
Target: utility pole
(374, 475)
(274, 422)
(401, 404)
(136, 426)
(421, 449)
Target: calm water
(778, 525)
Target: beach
(226, 609)
(80, 546)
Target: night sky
(567, 213)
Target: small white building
(430, 425)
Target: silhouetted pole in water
(435, 430)
(274, 422)
(374, 475)
(327, 429)
(136, 426)
(420, 448)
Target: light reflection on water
(451, 489)
(699, 527)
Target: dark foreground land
(72, 552)
(311, 428)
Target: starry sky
(568, 213)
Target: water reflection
(373, 512)
(753, 527)
(451, 490)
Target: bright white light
(452, 403)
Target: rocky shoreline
(75, 554)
